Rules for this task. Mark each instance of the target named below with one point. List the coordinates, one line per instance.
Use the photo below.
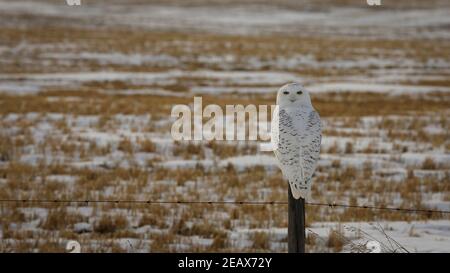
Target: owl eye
(299, 92)
(286, 92)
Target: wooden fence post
(296, 224)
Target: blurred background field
(86, 94)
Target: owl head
(293, 95)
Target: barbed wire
(150, 202)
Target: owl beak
(292, 100)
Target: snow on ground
(251, 18)
(100, 155)
(414, 236)
(116, 58)
(32, 83)
(393, 89)
(221, 82)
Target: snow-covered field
(85, 100)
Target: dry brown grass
(429, 164)
(60, 219)
(111, 224)
(335, 241)
(260, 240)
(177, 223)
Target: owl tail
(300, 191)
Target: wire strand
(150, 202)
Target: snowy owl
(296, 136)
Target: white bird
(296, 136)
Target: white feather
(296, 134)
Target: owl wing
(310, 140)
(298, 150)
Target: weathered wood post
(296, 224)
